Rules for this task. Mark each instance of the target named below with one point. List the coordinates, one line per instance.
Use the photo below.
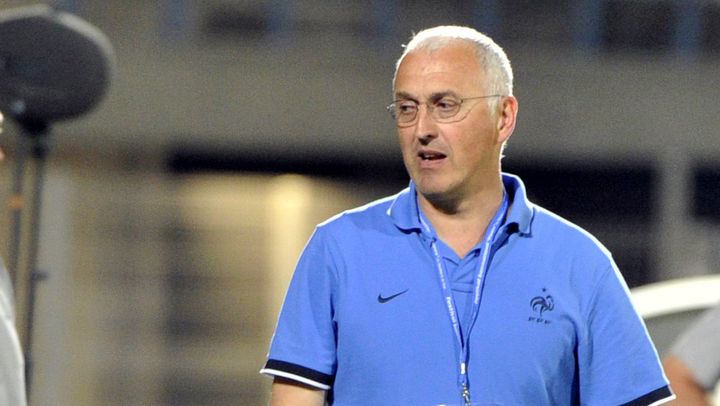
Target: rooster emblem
(541, 304)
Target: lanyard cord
(462, 341)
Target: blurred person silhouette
(12, 371)
(12, 364)
(458, 290)
(693, 362)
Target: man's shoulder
(371, 214)
(554, 227)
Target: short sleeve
(617, 359)
(303, 346)
(699, 348)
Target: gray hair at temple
(492, 58)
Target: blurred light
(291, 199)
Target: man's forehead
(428, 77)
(457, 59)
(456, 48)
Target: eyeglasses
(442, 110)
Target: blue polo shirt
(365, 317)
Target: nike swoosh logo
(382, 299)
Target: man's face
(448, 161)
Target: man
(693, 365)
(458, 290)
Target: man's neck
(462, 225)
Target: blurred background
(174, 212)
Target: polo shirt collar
(404, 209)
(521, 211)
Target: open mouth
(430, 156)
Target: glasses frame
(431, 108)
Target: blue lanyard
(487, 241)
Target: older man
(458, 290)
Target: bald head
(494, 62)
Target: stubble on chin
(438, 194)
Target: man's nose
(426, 126)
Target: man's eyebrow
(404, 96)
(433, 97)
(439, 95)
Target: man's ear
(507, 114)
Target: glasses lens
(403, 112)
(445, 109)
